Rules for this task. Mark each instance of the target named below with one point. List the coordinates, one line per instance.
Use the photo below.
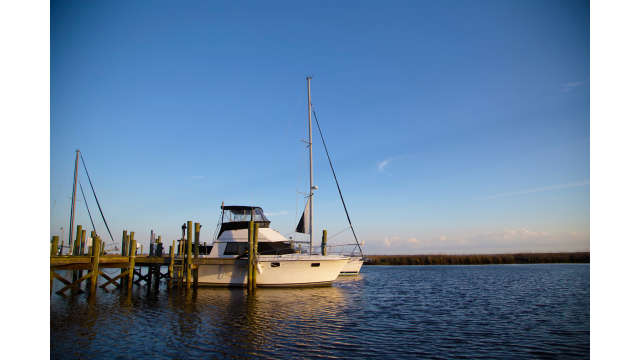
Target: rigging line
(96, 197)
(87, 205)
(336, 179)
(338, 233)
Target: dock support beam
(54, 245)
(95, 262)
(256, 233)
(76, 243)
(250, 258)
(172, 253)
(196, 244)
(83, 243)
(54, 252)
(132, 259)
(189, 254)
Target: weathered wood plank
(75, 284)
(113, 281)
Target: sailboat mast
(310, 167)
(73, 199)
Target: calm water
(501, 311)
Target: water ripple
(496, 312)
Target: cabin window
(315, 264)
(236, 248)
(275, 264)
(275, 248)
(244, 214)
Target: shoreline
(480, 259)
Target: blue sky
(454, 126)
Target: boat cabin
(232, 239)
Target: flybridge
(238, 217)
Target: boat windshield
(243, 214)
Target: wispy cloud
(537, 190)
(383, 164)
(388, 240)
(571, 85)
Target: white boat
(278, 262)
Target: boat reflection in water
(252, 323)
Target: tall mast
(310, 167)
(73, 198)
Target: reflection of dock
(182, 262)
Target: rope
(96, 197)
(338, 233)
(87, 205)
(336, 179)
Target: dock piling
(76, 243)
(95, 262)
(250, 258)
(132, 259)
(189, 254)
(172, 252)
(54, 245)
(256, 233)
(54, 252)
(83, 244)
(324, 243)
(196, 253)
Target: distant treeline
(524, 258)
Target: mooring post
(256, 234)
(76, 243)
(189, 254)
(83, 243)
(95, 263)
(324, 243)
(196, 244)
(75, 250)
(124, 243)
(250, 257)
(172, 252)
(124, 252)
(54, 245)
(54, 252)
(132, 259)
(159, 247)
(152, 241)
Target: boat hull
(352, 267)
(275, 271)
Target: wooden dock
(182, 265)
